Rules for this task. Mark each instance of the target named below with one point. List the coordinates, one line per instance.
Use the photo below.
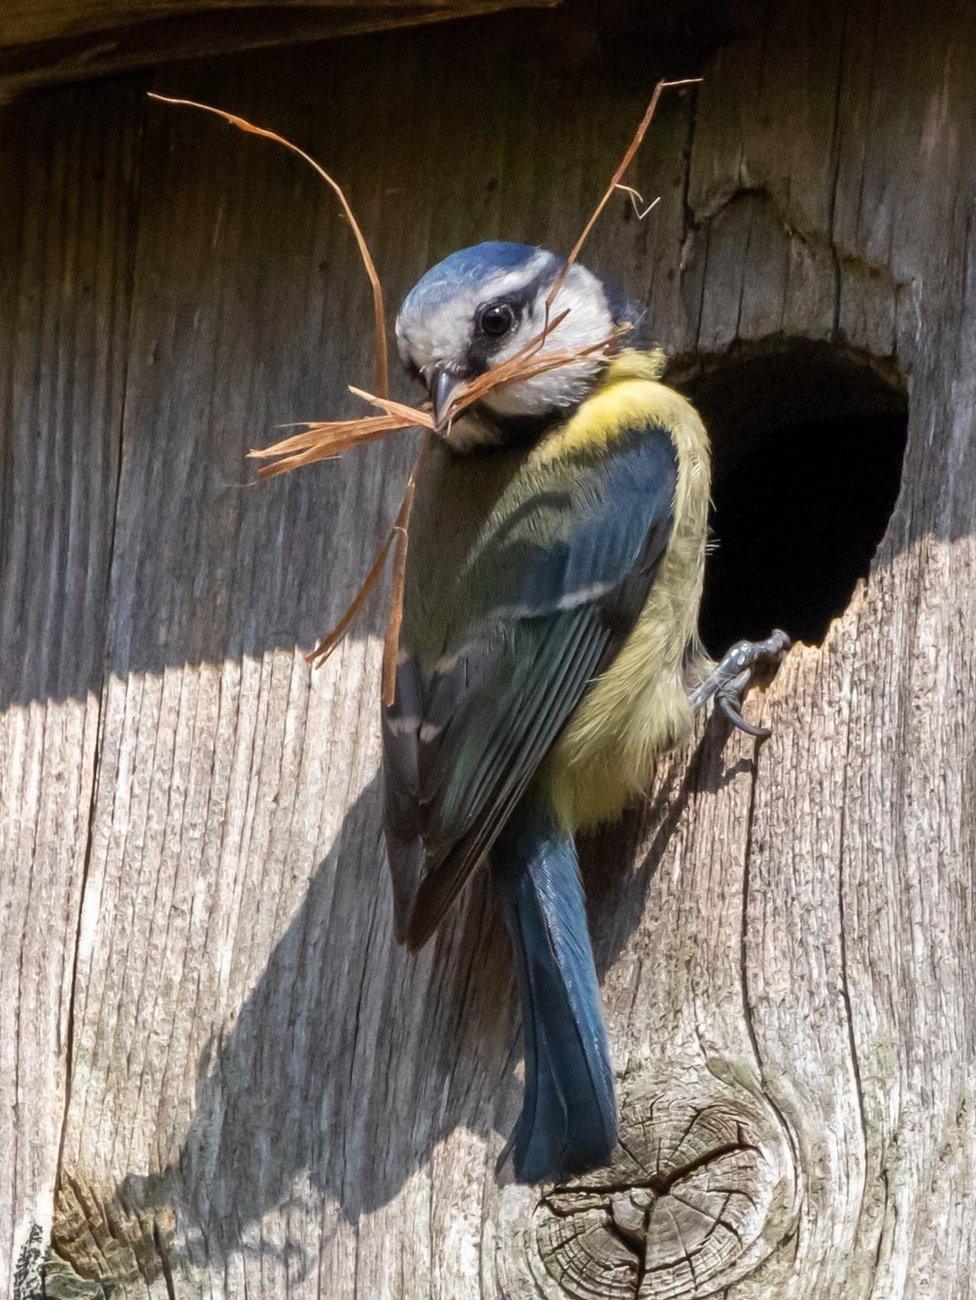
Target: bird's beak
(442, 385)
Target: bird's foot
(730, 677)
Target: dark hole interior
(808, 444)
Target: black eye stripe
(523, 299)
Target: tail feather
(568, 1120)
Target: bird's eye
(496, 320)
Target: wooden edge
(91, 51)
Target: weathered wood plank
(860, 892)
(43, 43)
(64, 298)
(227, 777)
(267, 1097)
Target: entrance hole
(808, 442)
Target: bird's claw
(730, 678)
(728, 698)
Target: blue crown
(466, 269)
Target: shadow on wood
(315, 1044)
(193, 880)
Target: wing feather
(515, 764)
(464, 738)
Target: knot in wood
(701, 1193)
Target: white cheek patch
(439, 336)
(440, 333)
(589, 321)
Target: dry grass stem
(324, 442)
(341, 435)
(641, 209)
(334, 637)
(401, 529)
(520, 368)
(379, 310)
(396, 539)
(413, 416)
(326, 439)
(616, 178)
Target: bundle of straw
(326, 439)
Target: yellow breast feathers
(639, 707)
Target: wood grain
(266, 1096)
(65, 282)
(44, 42)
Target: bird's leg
(730, 677)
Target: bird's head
(475, 310)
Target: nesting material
(323, 440)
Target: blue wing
(462, 741)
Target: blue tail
(568, 1122)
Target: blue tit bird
(548, 650)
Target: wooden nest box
(219, 1076)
